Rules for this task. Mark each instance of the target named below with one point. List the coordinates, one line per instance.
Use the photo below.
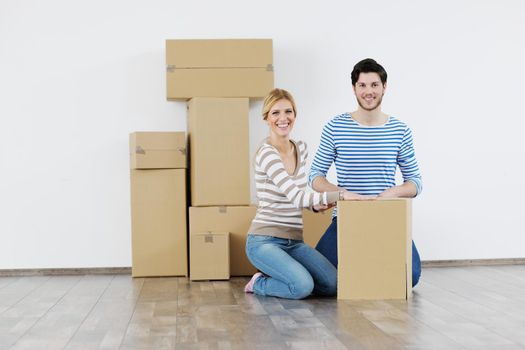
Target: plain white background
(77, 76)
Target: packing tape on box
(208, 238)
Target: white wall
(77, 76)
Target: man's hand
(406, 190)
(348, 196)
(389, 193)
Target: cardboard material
(218, 132)
(219, 68)
(236, 221)
(158, 222)
(374, 249)
(315, 225)
(210, 256)
(157, 150)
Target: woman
(290, 268)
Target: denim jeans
(291, 269)
(327, 246)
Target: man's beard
(369, 109)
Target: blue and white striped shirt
(366, 157)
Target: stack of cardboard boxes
(217, 78)
(220, 76)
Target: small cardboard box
(236, 221)
(158, 222)
(315, 225)
(374, 249)
(157, 150)
(210, 256)
(218, 133)
(219, 68)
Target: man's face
(369, 91)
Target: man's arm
(407, 162)
(323, 159)
(321, 184)
(406, 190)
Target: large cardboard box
(210, 256)
(219, 68)
(218, 133)
(374, 249)
(157, 150)
(236, 221)
(315, 225)
(158, 222)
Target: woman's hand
(321, 207)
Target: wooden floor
(452, 308)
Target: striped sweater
(366, 157)
(283, 196)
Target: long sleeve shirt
(283, 196)
(366, 157)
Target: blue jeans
(327, 246)
(292, 269)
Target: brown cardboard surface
(210, 256)
(315, 225)
(374, 240)
(218, 133)
(236, 221)
(219, 68)
(157, 150)
(158, 222)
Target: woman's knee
(302, 287)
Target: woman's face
(281, 118)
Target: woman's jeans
(292, 269)
(327, 246)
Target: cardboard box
(219, 68)
(218, 133)
(157, 150)
(210, 256)
(236, 221)
(374, 249)
(315, 225)
(158, 222)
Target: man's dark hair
(368, 65)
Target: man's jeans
(327, 246)
(291, 268)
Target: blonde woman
(289, 268)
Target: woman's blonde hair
(274, 96)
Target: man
(366, 147)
